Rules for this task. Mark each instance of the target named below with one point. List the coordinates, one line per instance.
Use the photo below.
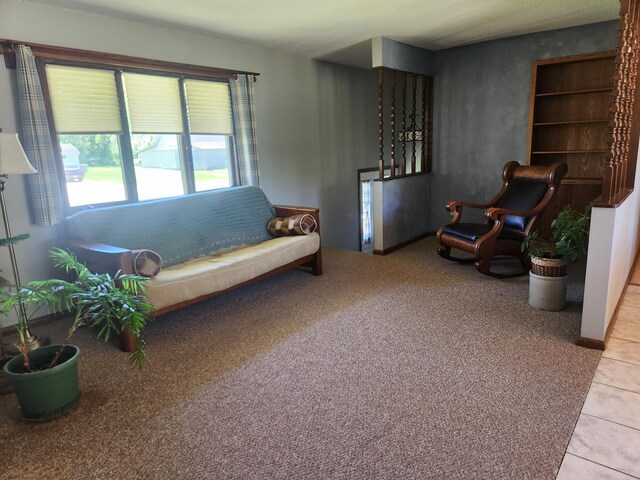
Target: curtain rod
(7, 49)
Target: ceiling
(337, 30)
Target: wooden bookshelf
(568, 122)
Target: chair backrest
(525, 187)
(521, 194)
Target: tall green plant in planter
(108, 303)
(5, 386)
(549, 258)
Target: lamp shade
(13, 160)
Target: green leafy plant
(570, 237)
(110, 303)
(5, 242)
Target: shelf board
(552, 152)
(581, 181)
(575, 92)
(569, 122)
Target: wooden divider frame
(410, 133)
(624, 121)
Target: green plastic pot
(5, 384)
(46, 394)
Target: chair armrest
(494, 212)
(456, 207)
(456, 204)
(288, 211)
(101, 258)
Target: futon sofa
(209, 242)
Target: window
(125, 136)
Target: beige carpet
(404, 366)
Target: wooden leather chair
(526, 191)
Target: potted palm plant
(549, 258)
(45, 379)
(5, 385)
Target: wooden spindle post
(429, 132)
(413, 124)
(423, 143)
(393, 123)
(403, 160)
(381, 122)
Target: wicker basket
(549, 267)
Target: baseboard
(389, 250)
(591, 343)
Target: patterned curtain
(245, 129)
(46, 198)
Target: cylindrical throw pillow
(296, 225)
(146, 263)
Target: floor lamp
(14, 161)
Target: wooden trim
(615, 203)
(570, 122)
(577, 58)
(567, 152)
(427, 135)
(389, 250)
(581, 181)
(414, 110)
(403, 160)
(381, 122)
(575, 92)
(591, 343)
(7, 47)
(392, 130)
(423, 143)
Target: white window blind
(153, 103)
(84, 100)
(209, 107)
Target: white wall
(315, 120)
(613, 245)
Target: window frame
(148, 67)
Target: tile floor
(606, 441)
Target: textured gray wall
(403, 212)
(481, 107)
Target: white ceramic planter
(547, 293)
